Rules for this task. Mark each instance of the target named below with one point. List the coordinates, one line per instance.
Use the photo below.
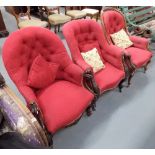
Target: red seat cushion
(109, 77)
(62, 102)
(42, 73)
(139, 57)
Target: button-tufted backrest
(83, 35)
(22, 46)
(113, 21)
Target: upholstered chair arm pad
(140, 42)
(28, 94)
(83, 65)
(114, 55)
(114, 51)
(75, 73)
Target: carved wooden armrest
(89, 82)
(38, 115)
(2, 81)
(1, 117)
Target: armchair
(24, 19)
(138, 55)
(54, 16)
(65, 100)
(84, 35)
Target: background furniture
(138, 55)
(92, 11)
(137, 18)
(23, 18)
(3, 30)
(75, 12)
(55, 18)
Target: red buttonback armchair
(138, 55)
(86, 34)
(64, 101)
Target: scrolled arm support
(131, 68)
(2, 81)
(38, 115)
(90, 84)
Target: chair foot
(94, 106)
(120, 87)
(130, 77)
(50, 140)
(58, 28)
(145, 67)
(2, 81)
(89, 111)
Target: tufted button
(45, 46)
(117, 23)
(36, 38)
(94, 37)
(24, 42)
(33, 46)
(86, 38)
(48, 59)
(80, 39)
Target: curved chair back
(112, 21)
(22, 46)
(83, 35)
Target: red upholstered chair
(86, 34)
(138, 55)
(62, 102)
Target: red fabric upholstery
(19, 52)
(42, 73)
(113, 21)
(139, 57)
(109, 77)
(140, 42)
(83, 35)
(67, 101)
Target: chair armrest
(114, 55)
(37, 113)
(83, 65)
(90, 83)
(75, 73)
(140, 42)
(114, 51)
(28, 94)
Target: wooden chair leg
(55, 28)
(120, 86)
(97, 17)
(129, 78)
(131, 69)
(58, 28)
(145, 67)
